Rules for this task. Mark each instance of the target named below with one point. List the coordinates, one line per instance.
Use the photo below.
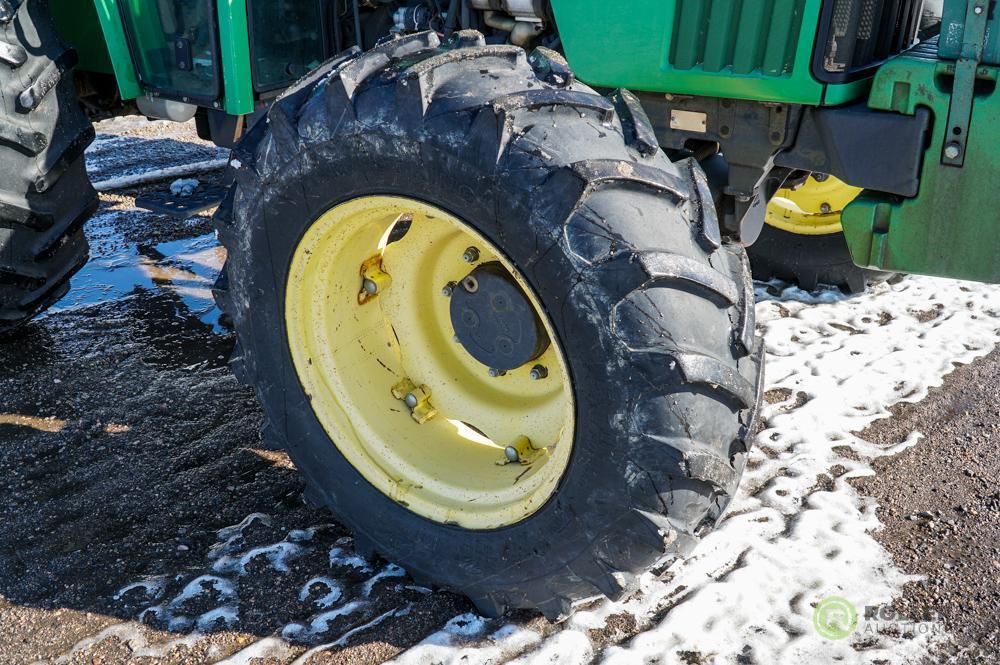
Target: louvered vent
(741, 36)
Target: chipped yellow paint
(350, 357)
(813, 209)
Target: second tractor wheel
(45, 194)
(491, 323)
(803, 242)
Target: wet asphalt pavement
(137, 504)
(141, 445)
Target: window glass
(286, 40)
(174, 45)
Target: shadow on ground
(126, 445)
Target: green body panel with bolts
(950, 228)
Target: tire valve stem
(538, 372)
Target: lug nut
(538, 372)
(448, 289)
(495, 373)
(952, 151)
(825, 208)
(471, 255)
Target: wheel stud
(538, 372)
(521, 452)
(471, 255)
(416, 398)
(374, 280)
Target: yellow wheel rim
(813, 209)
(404, 402)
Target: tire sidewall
(594, 492)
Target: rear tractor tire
(803, 241)
(45, 194)
(492, 324)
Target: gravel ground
(142, 521)
(940, 503)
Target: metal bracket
(521, 452)
(417, 399)
(963, 88)
(374, 280)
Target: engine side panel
(726, 48)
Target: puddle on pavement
(118, 269)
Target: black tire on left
(45, 194)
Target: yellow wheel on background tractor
(813, 209)
(803, 242)
(374, 288)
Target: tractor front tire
(652, 310)
(45, 194)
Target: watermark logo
(835, 618)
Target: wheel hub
(494, 320)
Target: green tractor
(486, 258)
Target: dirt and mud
(940, 504)
(142, 520)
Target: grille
(860, 34)
(757, 37)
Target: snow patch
(184, 186)
(392, 570)
(333, 591)
(277, 553)
(269, 649)
(797, 531)
(341, 557)
(156, 175)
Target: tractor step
(205, 198)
